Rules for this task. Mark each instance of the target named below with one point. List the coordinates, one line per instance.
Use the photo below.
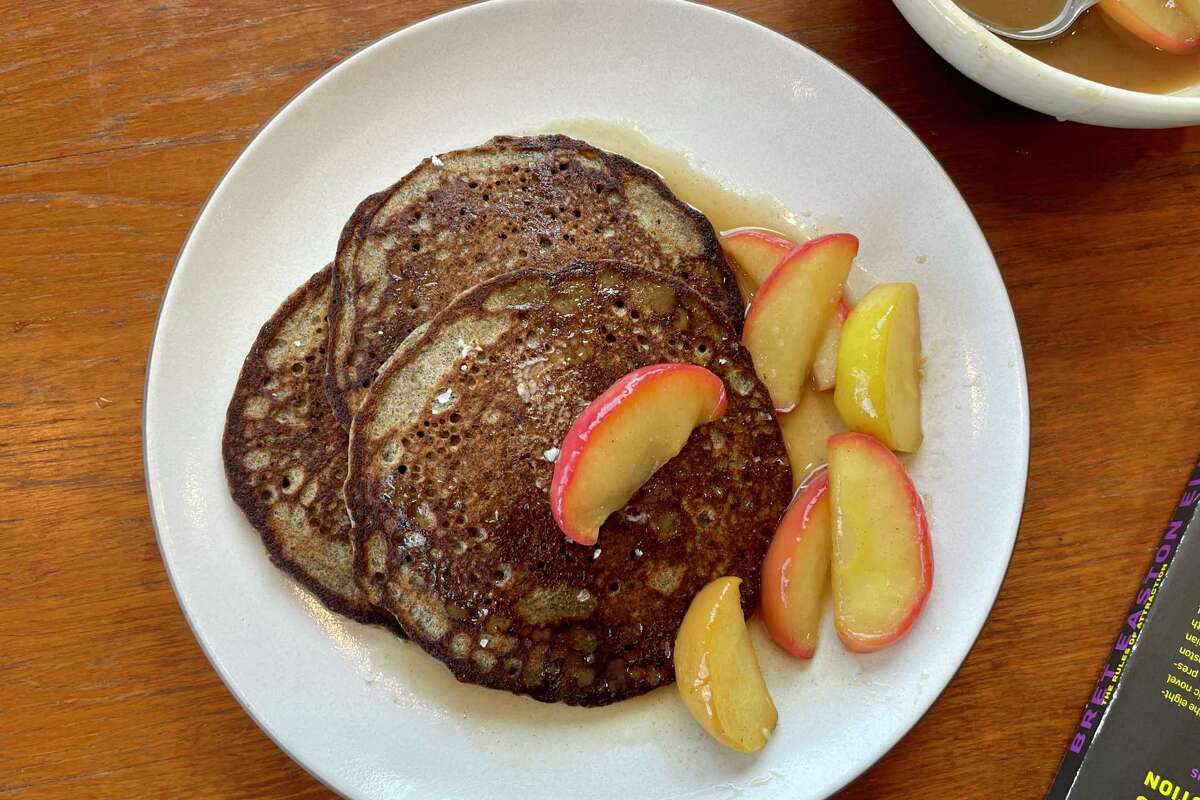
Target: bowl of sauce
(1098, 73)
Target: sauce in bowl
(1095, 48)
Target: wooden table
(116, 120)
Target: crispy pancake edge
(253, 373)
(342, 318)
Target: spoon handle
(1054, 28)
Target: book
(1139, 735)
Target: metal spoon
(1055, 27)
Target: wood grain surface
(117, 119)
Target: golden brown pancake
(451, 459)
(467, 216)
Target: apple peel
(623, 437)
(796, 570)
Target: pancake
(467, 216)
(451, 457)
(285, 454)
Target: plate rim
(1020, 368)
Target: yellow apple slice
(753, 253)
(717, 670)
(621, 439)
(824, 368)
(795, 570)
(805, 430)
(791, 311)
(1168, 26)
(878, 387)
(882, 556)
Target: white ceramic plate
(373, 717)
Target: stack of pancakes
(393, 432)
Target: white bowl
(994, 63)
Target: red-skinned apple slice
(638, 424)
(795, 570)
(882, 558)
(1167, 26)
(754, 253)
(824, 368)
(791, 311)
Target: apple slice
(717, 670)
(754, 253)
(878, 387)
(638, 424)
(795, 570)
(791, 311)
(882, 557)
(1166, 25)
(824, 368)
(805, 430)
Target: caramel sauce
(725, 206)
(1096, 48)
